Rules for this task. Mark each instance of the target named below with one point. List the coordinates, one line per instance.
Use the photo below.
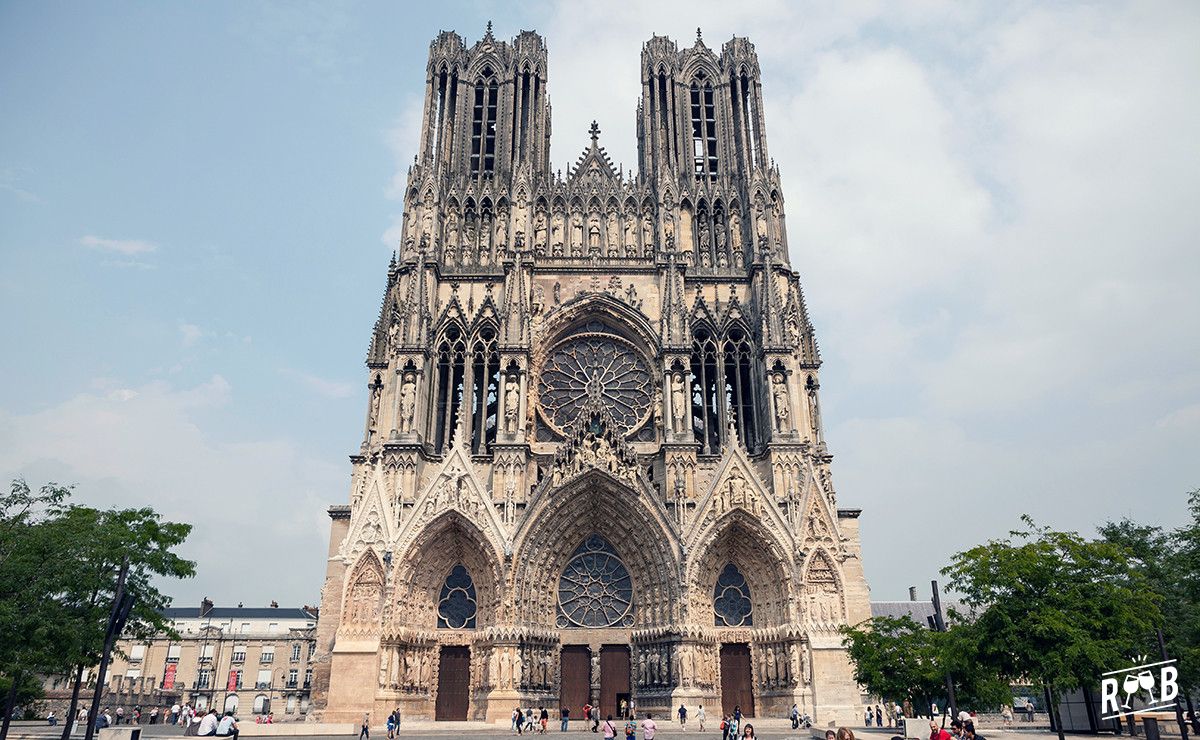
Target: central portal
(614, 679)
(737, 690)
(575, 690)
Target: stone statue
(537, 303)
(512, 405)
(408, 402)
(679, 404)
(539, 229)
(780, 395)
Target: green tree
(1169, 563)
(897, 659)
(32, 621)
(101, 540)
(58, 572)
(1054, 607)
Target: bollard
(1151, 725)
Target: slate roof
(918, 610)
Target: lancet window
(483, 125)
(441, 143)
(722, 384)
(449, 387)
(485, 390)
(704, 129)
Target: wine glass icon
(1146, 681)
(1130, 685)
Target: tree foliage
(1054, 607)
(58, 573)
(897, 659)
(1168, 562)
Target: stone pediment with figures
(372, 528)
(454, 488)
(737, 490)
(594, 446)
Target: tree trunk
(10, 704)
(1054, 708)
(74, 709)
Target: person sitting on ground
(228, 726)
(956, 729)
(969, 732)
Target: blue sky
(992, 209)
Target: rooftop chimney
(912, 593)
(206, 606)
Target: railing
(262, 685)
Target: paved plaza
(767, 729)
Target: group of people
(962, 728)
(211, 724)
(683, 716)
(528, 721)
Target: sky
(992, 207)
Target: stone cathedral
(592, 469)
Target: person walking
(543, 718)
(595, 719)
(648, 727)
(867, 714)
(748, 732)
(519, 720)
(630, 728)
(794, 715)
(391, 726)
(878, 716)
(700, 716)
(565, 714)
(682, 717)
(365, 732)
(725, 720)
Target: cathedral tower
(593, 468)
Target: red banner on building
(169, 676)
(233, 681)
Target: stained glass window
(595, 368)
(731, 599)
(456, 605)
(595, 589)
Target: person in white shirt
(208, 725)
(228, 726)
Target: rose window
(595, 370)
(595, 589)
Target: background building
(593, 467)
(253, 660)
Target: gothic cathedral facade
(593, 468)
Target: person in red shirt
(937, 733)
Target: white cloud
(321, 386)
(189, 334)
(126, 247)
(251, 501)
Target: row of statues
(405, 667)
(470, 237)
